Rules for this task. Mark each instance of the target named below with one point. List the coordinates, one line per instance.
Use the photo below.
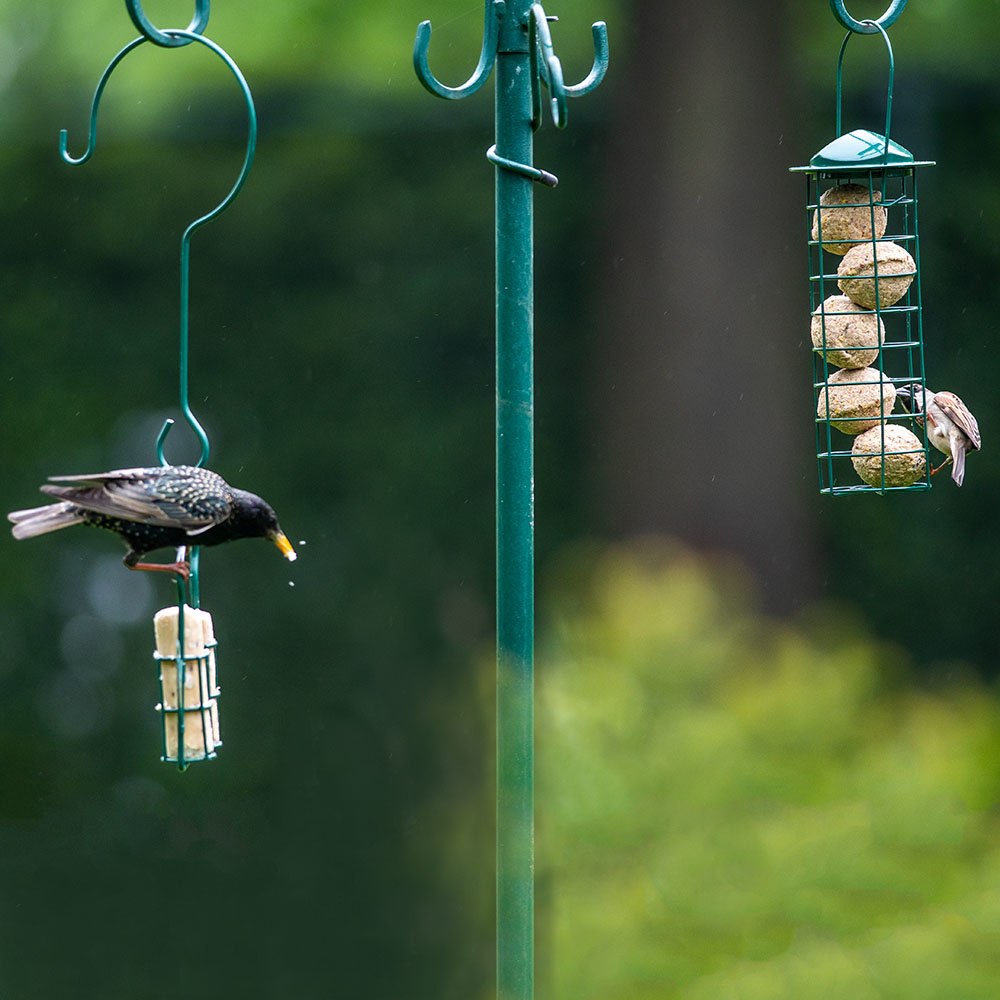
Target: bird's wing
(956, 410)
(172, 496)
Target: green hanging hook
(547, 69)
(892, 73)
(495, 11)
(178, 37)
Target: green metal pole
(516, 39)
(515, 515)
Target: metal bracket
(546, 70)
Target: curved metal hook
(868, 26)
(171, 38)
(95, 104)
(189, 36)
(875, 27)
(601, 56)
(186, 244)
(495, 10)
(546, 67)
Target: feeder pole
(516, 38)
(514, 514)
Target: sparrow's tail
(40, 520)
(958, 465)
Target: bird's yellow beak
(285, 545)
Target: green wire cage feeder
(189, 685)
(866, 326)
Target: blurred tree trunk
(702, 381)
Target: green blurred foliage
(944, 38)
(735, 808)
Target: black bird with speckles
(168, 506)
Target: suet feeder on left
(185, 639)
(189, 685)
(866, 325)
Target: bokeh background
(767, 726)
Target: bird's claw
(180, 568)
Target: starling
(172, 505)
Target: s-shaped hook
(173, 38)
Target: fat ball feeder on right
(866, 328)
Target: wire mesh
(892, 352)
(189, 685)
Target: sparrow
(951, 428)
(172, 505)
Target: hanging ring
(169, 39)
(868, 26)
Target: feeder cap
(862, 149)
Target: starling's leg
(179, 568)
(941, 466)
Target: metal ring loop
(868, 26)
(168, 39)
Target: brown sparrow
(951, 428)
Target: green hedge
(732, 809)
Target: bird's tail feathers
(958, 464)
(41, 520)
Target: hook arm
(184, 37)
(95, 104)
(194, 425)
(600, 32)
(495, 10)
(251, 131)
(547, 69)
(186, 243)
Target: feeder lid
(862, 149)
